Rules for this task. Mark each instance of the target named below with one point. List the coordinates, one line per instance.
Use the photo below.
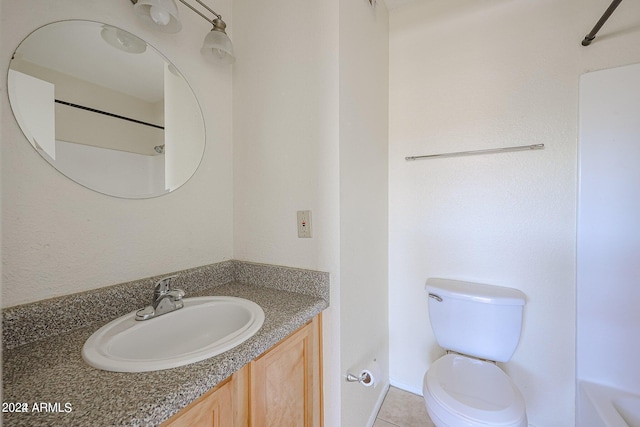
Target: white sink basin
(203, 328)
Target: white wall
(608, 228)
(364, 86)
(59, 237)
(311, 134)
(285, 126)
(471, 75)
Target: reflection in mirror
(106, 109)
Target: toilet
(478, 325)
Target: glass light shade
(217, 47)
(161, 15)
(122, 40)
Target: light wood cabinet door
(285, 382)
(213, 409)
(226, 405)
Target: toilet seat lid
(477, 390)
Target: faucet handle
(164, 285)
(177, 294)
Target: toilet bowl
(461, 391)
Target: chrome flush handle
(435, 297)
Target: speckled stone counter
(52, 371)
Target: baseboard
(405, 387)
(374, 414)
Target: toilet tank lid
(477, 292)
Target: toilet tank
(479, 320)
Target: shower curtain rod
(607, 13)
(106, 113)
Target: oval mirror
(106, 109)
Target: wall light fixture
(162, 15)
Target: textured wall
(310, 132)
(471, 75)
(285, 132)
(60, 238)
(364, 158)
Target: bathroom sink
(203, 328)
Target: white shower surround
(608, 228)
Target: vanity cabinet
(281, 388)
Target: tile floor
(402, 409)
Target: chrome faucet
(165, 300)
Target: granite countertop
(51, 371)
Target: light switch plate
(304, 224)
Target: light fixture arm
(211, 21)
(214, 22)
